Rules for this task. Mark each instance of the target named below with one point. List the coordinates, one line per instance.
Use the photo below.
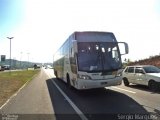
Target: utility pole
(10, 51)
(21, 60)
(28, 59)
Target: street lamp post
(21, 60)
(10, 50)
(28, 59)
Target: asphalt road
(48, 98)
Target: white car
(1, 68)
(144, 74)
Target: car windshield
(151, 69)
(98, 56)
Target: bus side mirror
(123, 48)
(126, 48)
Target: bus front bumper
(89, 84)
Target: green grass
(11, 82)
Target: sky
(40, 27)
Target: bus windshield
(98, 56)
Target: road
(45, 97)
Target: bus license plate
(103, 83)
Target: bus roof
(88, 36)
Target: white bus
(89, 60)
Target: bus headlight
(119, 74)
(85, 77)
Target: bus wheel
(68, 81)
(125, 81)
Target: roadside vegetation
(10, 82)
(152, 60)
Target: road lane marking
(5, 104)
(78, 111)
(14, 95)
(123, 89)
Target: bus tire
(68, 81)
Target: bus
(89, 59)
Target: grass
(11, 82)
